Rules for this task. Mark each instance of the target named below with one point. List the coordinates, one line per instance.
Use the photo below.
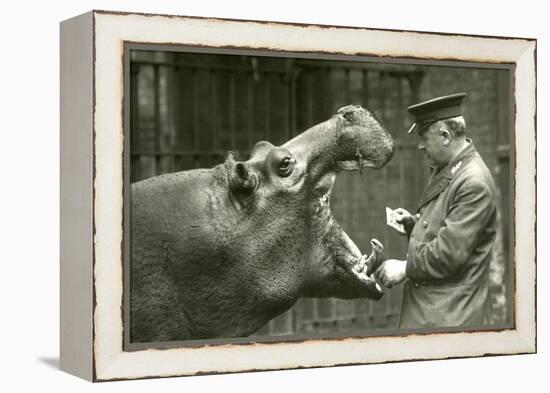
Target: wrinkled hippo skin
(219, 252)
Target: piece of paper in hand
(392, 221)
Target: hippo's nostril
(349, 115)
(347, 110)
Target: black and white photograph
(274, 196)
(293, 197)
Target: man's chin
(433, 164)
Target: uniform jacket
(450, 247)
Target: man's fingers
(402, 212)
(379, 272)
(386, 282)
(380, 275)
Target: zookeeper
(453, 231)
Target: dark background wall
(187, 110)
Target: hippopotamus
(217, 253)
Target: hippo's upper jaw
(362, 141)
(352, 139)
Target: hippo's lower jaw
(360, 268)
(359, 271)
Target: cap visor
(420, 127)
(412, 129)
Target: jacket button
(425, 224)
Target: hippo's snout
(352, 139)
(363, 141)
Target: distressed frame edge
(527, 339)
(76, 196)
(302, 24)
(525, 178)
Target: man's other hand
(391, 272)
(402, 216)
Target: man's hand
(402, 216)
(391, 272)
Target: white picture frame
(92, 202)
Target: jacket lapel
(439, 181)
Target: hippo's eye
(286, 166)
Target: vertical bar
(232, 142)
(325, 92)
(350, 182)
(267, 104)
(156, 117)
(171, 85)
(250, 111)
(134, 121)
(387, 246)
(177, 117)
(309, 100)
(365, 88)
(288, 78)
(347, 85)
(286, 113)
(215, 115)
(295, 316)
(195, 119)
(401, 125)
(293, 103)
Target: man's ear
(446, 137)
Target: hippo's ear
(241, 179)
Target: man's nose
(421, 146)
